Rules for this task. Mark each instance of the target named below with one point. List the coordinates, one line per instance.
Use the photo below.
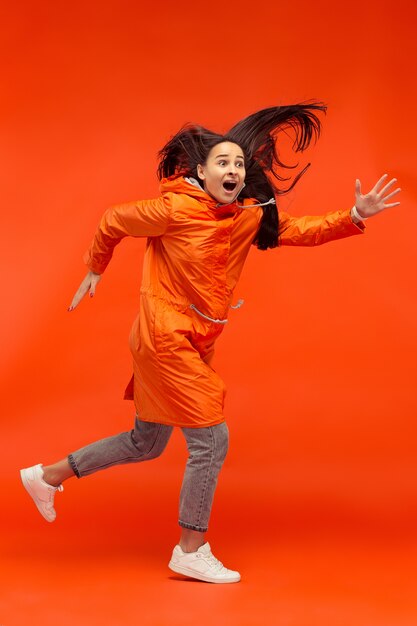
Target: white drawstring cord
(211, 319)
(249, 206)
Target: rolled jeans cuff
(73, 465)
(192, 527)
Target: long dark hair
(256, 136)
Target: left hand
(375, 201)
(88, 285)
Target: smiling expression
(223, 173)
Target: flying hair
(258, 137)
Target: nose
(232, 168)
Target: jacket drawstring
(211, 319)
(249, 206)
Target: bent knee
(155, 452)
(150, 439)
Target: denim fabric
(207, 449)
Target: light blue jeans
(207, 449)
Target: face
(223, 174)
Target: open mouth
(229, 186)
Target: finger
(79, 295)
(380, 182)
(358, 187)
(94, 282)
(390, 195)
(387, 186)
(388, 206)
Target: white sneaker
(42, 493)
(201, 565)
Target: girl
(218, 198)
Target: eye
(240, 164)
(222, 162)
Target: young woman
(218, 198)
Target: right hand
(88, 285)
(375, 201)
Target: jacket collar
(191, 187)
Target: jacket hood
(191, 187)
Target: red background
(320, 363)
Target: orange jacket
(194, 256)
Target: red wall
(320, 362)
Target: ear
(200, 172)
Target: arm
(313, 231)
(148, 218)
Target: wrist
(356, 216)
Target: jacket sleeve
(146, 218)
(315, 230)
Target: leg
(146, 441)
(58, 472)
(191, 540)
(207, 448)
(193, 556)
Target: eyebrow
(239, 156)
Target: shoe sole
(28, 488)
(178, 569)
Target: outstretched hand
(88, 285)
(376, 200)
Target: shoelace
(213, 562)
(52, 491)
